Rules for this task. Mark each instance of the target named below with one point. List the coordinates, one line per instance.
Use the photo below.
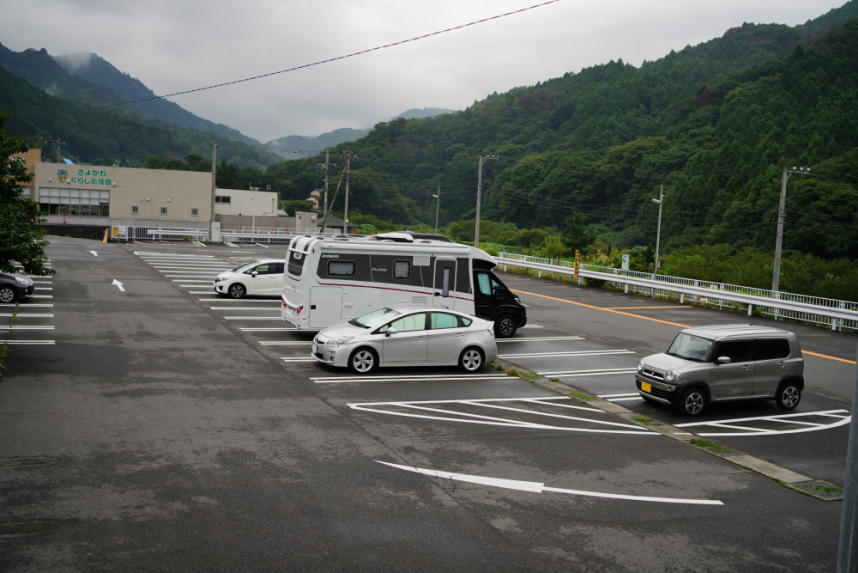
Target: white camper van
(334, 279)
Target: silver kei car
(407, 336)
(722, 363)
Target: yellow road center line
(657, 320)
(643, 307)
(829, 357)
(605, 309)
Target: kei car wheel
(7, 294)
(693, 402)
(237, 291)
(788, 396)
(505, 326)
(363, 361)
(470, 360)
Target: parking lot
(194, 429)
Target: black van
(494, 301)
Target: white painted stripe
(33, 342)
(176, 274)
(537, 487)
(573, 353)
(541, 339)
(230, 245)
(190, 281)
(195, 291)
(414, 377)
(776, 417)
(259, 245)
(532, 326)
(44, 282)
(267, 329)
(841, 421)
(298, 359)
(42, 288)
(604, 371)
(539, 399)
(253, 318)
(534, 413)
(244, 308)
(408, 379)
(26, 305)
(285, 342)
(240, 301)
(624, 399)
(26, 327)
(617, 395)
(27, 315)
(42, 296)
(145, 254)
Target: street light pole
(479, 195)
(214, 187)
(658, 202)
(437, 207)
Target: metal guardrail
(837, 313)
(180, 233)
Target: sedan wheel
(470, 360)
(7, 294)
(788, 397)
(693, 402)
(505, 326)
(363, 361)
(237, 291)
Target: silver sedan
(407, 336)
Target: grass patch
(710, 446)
(581, 396)
(824, 489)
(495, 364)
(513, 372)
(555, 379)
(645, 421)
(530, 376)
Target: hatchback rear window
(296, 263)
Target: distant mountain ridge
(300, 146)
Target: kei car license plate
(315, 350)
(645, 386)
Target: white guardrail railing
(839, 314)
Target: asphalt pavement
(169, 429)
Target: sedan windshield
(690, 347)
(375, 318)
(243, 268)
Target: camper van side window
(401, 269)
(341, 268)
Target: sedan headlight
(641, 365)
(23, 281)
(340, 340)
(671, 375)
(218, 279)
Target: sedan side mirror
(723, 360)
(254, 273)
(390, 331)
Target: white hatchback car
(263, 277)
(407, 336)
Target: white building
(245, 202)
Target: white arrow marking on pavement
(94, 253)
(118, 284)
(536, 487)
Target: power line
(361, 52)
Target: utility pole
(658, 202)
(214, 187)
(479, 195)
(326, 166)
(801, 170)
(349, 156)
(253, 201)
(437, 207)
(847, 553)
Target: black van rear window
(296, 263)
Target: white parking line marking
(230, 245)
(537, 487)
(267, 329)
(195, 291)
(298, 359)
(26, 327)
(541, 339)
(190, 281)
(242, 301)
(842, 418)
(35, 342)
(30, 305)
(27, 315)
(43, 282)
(42, 296)
(572, 373)
(42, 288)
(625, 399)
(285, 342)
(244, 308)
(199, 244)
(259, 245)
(606, 396)
(252, 318)
(532, 326)
(340, 380)
(571, 353)
(163, 254)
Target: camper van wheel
(237, 291)
(505, 326)
(363, 361)
(471, 359)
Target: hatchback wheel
(470, 360)
(505, 326)
(363, 361)
(237, 291)
(693, 402)
(788, 396)
(7, 294)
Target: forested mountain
(418, 113)
(712, 123)
(105, 136)
(99, 71)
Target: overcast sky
(178, 45)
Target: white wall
(241, 202)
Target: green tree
(554, 248)
(19, 242)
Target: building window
(194, 212)
(163, 210)
(223, 199)
(74, 202)
(135, 209)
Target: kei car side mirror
(723, 360)
(390, 331)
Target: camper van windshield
(375, 318)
